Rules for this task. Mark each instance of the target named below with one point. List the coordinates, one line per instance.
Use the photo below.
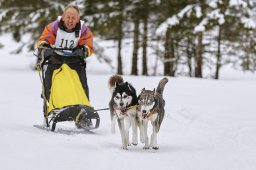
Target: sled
(64, 131)
(67, 99)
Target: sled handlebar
(55, 48)
(64, 52)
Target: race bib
(66, 40)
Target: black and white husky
(122, 106)
(151, 108)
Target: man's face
(70, 18)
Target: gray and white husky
(123, 108)
(151, 108)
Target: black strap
(101, 109)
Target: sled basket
(84, 117)
(67, 98)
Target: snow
(3, 14)
(168, 23)
(214, 3)
(215, 14)
(198, 11)
(187, 10)
(209, 124)
(201, 26)
(248, 22)
(238, 3)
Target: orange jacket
(50, 31)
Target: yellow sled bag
(66, 89)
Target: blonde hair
(72, 6)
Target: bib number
(66, 43)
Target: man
(68, 31)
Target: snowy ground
(208, 125)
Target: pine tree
(21, 17)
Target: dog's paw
(146, 147)
(124, 148)
(155, 147)
(135, 144)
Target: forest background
(194, 38)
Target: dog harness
(124, 110)
(149, 114)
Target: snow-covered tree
(223, 23)
(28, 18)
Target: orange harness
(150, 113)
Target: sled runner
(64, 131)
(64, 91)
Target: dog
(151, 108)
(123, 109)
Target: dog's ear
(128, 85)
(138, 96)
(156, 99)
(130, 88)
(143, 90)
(116, 84)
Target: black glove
(42, 47)
(80, 50)
(44, 50)
(46, 45)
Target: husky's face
(146, 101)
(122, 96)
(122, 100)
